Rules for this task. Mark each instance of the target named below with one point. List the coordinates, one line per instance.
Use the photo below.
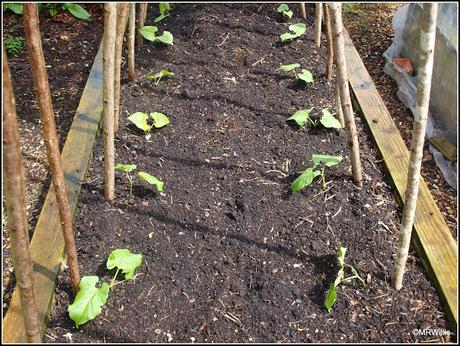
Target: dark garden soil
(70, 46)
(229, 253)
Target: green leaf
(289, 67)
(53, 11)
(89, 300)
(166, 38)
(152, 180)
(159, 119)
(125, 168)
(157, 76)
(13, 6)
(301, 116)
(305, 179)
(329, 121)
(148, 32)
(125, 260)
(282, 8)
(306, 76)
(331, 297)
(328, 160)
(164, 7)
(297, 29)
(77, 11)
(140, 120)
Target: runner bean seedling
(285, 11)
(307, 176)
(157, 76)
(304, 75)
(140, 119)
(128, 168)
(149, 33)
(296, 31)
(331, 295)
(301, 117)
(90, 299)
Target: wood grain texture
(432, 236)
(47, 245)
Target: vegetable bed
(230, 253)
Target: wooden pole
(425, 62)
(121, 26)
(303, 12)
(318, 19)
(15, 201)
(141, 20)
(110, 22)
(330, 50)
(345, 99)
(131, 42)
(45, 105)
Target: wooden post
(121, 25)
(318, 19)
(141, 20)
(330, 51)
(303, 12)
(345, 99)
(110, 22)
(425, 62)
(15, 202)
(45, 105)
(131, 42)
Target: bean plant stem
(113, 279)
(323, 178)
(40, 79)
(427, 42)
(13, 174)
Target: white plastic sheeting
(405, 44)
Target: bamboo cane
(16, 208)
(121, 25)
(131, 42)
(345, 100)
(141, 20)
(330, 51)
(40, 79)
(303, 12)
(318, 19)
(110, 22)
(427, 42)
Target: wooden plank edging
(47, 245)
(433, 239)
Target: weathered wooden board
(47, 245)
(432, 236)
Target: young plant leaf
(125, 168)
(305, 179)
(166, 38)
(164, 8)
(297, 29)
(341, 255)
(284, 9)
(17, 8)
(89, 300)
(152, 180)
(148, 32)
(328, 160)
(159, 119)
(289, 67)
(125, 260)
(140, 120)
(157, 76)
(329, 121)
(331, 297)
(301, 116)
(306, 76)
(77, 11)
